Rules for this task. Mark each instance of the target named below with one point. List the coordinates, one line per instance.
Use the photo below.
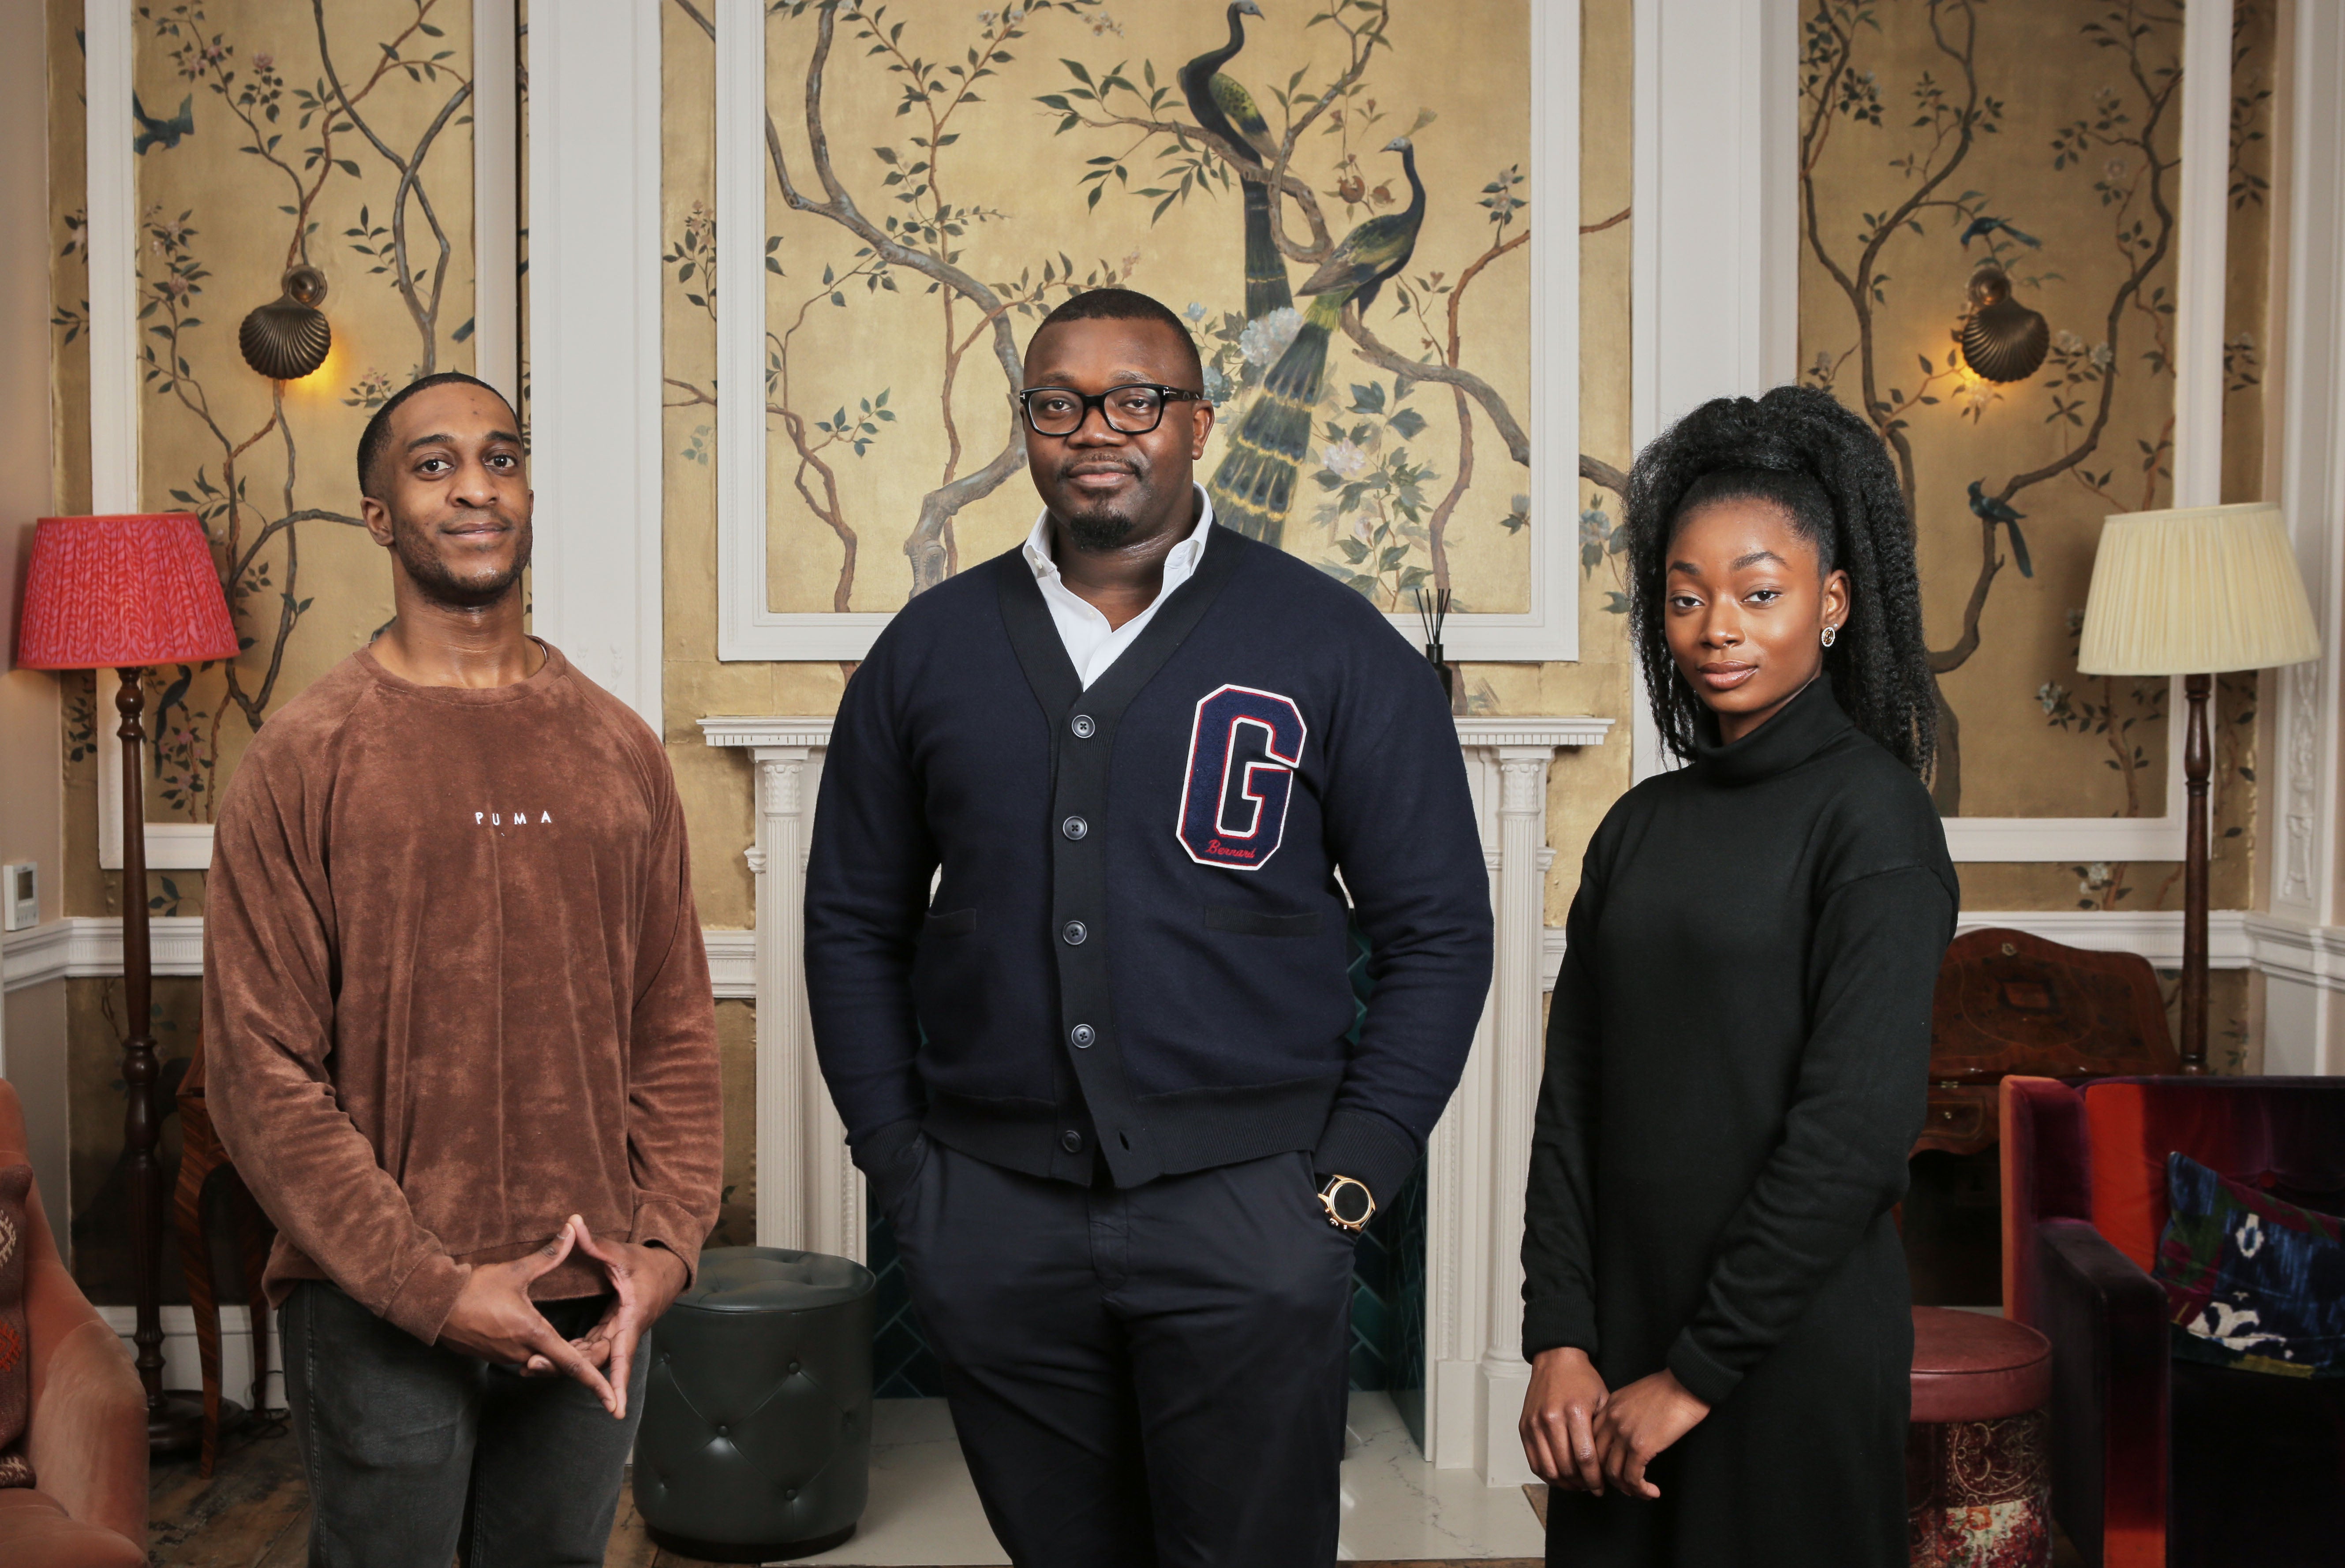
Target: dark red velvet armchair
(2156, 1460)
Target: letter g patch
(1243, 754)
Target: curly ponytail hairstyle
(1800, 449)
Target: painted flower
(2104, 355)
(1595, 528)
(1266, 337)
(1196, 311)
(2097, 876)
(2050, 695)
(2075, 622)
(1103, 24)
(2118, 168)
(1345, 458)
(2068, 342)
(1218, 386)
(264, 61)
(371, 391)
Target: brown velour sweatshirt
(454, 986)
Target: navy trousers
(1143, 1378)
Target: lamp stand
(2196, 765)
(175, 1422)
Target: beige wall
(32, 1021)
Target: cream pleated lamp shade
(2195, 590)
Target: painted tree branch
(1373, 349)
(426, 318)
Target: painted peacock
(1226, 109)
(1256, 479)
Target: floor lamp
(127, 594)
(2195, 592)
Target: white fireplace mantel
(809, 1194)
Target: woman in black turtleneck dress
(1715, 1302)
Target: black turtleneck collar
(1803, 726)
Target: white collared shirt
(1091, 643)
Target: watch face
(1350, 1202)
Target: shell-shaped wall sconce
(287, 338)
(2002, 339)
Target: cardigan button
(1083, 1035)
(1074, 827)
(1072, 1141)
(1074, 933)
(1084, 726)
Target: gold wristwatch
(1349, 1202)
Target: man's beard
(1098, 532)
(430, 574)
(1104, 525)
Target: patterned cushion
(16, 1346)
(2251, 1281)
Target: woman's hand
(1639, 1421)
(1558, 1424)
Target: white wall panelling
(86, 946)
(748, 629)
(1714, 253)
(595, 338)
(2304, 1020)
(111, 237)
(182, 1368)
(496, 197)
(817, 1201)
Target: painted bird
(1224, 107)
(1255, 482)
(167, 132)
(1991, 510)
(1982, 227)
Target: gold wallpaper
(268, 136)
(1012, 211)
(1937, 141)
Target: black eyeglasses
(1132, 411)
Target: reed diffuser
(1432, 610)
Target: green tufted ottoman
(756, 1442)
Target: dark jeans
(1142, 1378)
(413, 1452)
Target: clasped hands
(495, 1319)
(1580, 1437)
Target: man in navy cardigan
(1103, 1081)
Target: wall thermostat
(20, 895)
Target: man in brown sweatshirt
(460, 1034)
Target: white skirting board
(85, 947)
(181, 1370)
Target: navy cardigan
(1138, 946)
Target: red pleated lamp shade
(114, 592)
